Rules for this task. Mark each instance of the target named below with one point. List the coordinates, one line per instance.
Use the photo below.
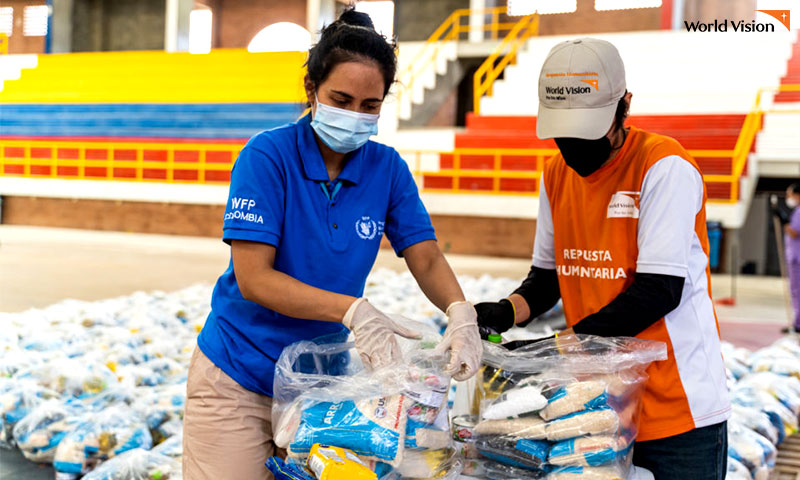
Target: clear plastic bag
(172, 446)
(607, 472)
(786, 389)
(137, 464)
(72, 376)
(39, 433)
(737, 471)
(777, 359)
(500, 471)
(324, 395)
(516, 452)
(751, 449)
(756, 420)
(736, 360)
(288, 469)
(589, 451)
(17, 399)
(782, 418)
(570, 410)
(98, 437)
(162, 408)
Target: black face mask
(584, 156)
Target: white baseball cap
(580, 85)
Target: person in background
(792, 245)
(621, 239)
(309, 203)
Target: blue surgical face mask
(342, 130)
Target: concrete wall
(111, 25)
(236, 22)
(709, 10)
(19, 43)
(416, 19)
(586, 19)
(456, 234)
(754, 234)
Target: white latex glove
(462, 340)
(374, 333)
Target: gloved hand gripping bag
(324, 395)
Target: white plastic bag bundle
(395, 416)
(17, 398)
(777, 359)
(756, 420)
(572, 411)
(737, 471)
(751, 449)
(784, 388)
(749, 395)
(162, 408)
(38, 434)
(72, 376)
(137, 464)
(172, 446)
(98, 437)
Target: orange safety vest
(595, 222)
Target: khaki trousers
(227, 429)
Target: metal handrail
(493, 66)
(448, 31)
(541, 154)
(44, 154)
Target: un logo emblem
(366, 228)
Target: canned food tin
(463, 427)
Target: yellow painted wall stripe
(222, 76)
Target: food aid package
(501, 471)
(516, 452)
(751, 449)
(38, 434)
(324, 395)
(565, 410)
(18, 397)
(171, 447)
(289, 469)
(756, 420)
(137, 464)
(589, 451)
(72, 376)
(608, 472)
(98, 437)
(737, 471)
(748, 395)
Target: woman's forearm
(433, 274)
(260, 283)
(288, 296)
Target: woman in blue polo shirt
(309, 203)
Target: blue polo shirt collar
(314, 166)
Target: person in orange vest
(621, 239)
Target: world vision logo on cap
(742, 26)
(561, 90)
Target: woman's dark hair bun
(359, 19)
(351, 38)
